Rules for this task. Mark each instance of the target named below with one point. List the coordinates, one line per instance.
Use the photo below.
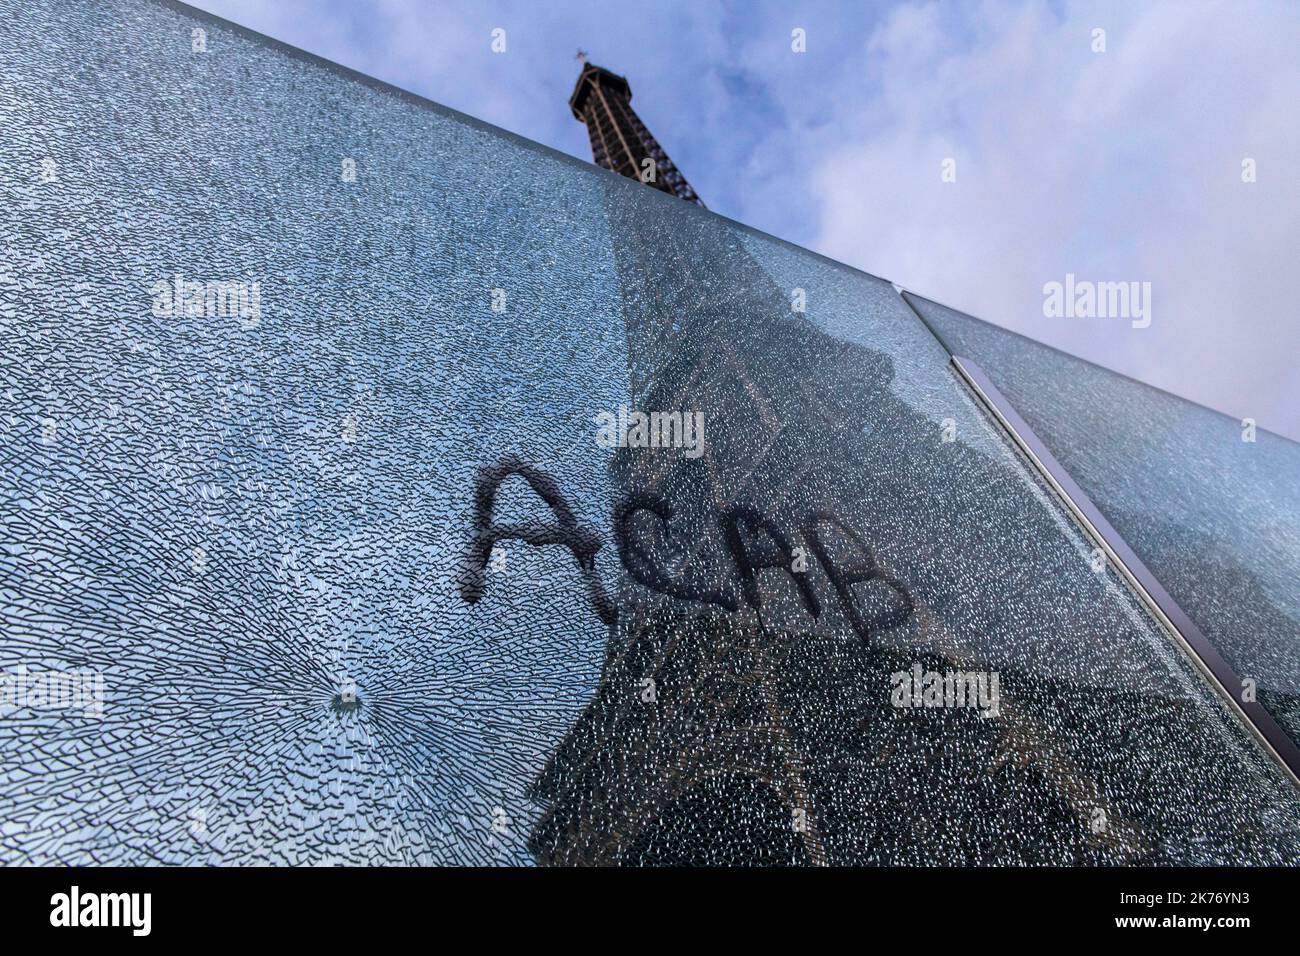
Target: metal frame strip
(1165, 609)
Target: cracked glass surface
(1214, 517)
(360, 585)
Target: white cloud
(1124, 165)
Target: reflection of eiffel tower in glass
(689, 719)
(766, 735)
(619, 140)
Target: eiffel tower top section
(619, 140)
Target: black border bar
(332, 911)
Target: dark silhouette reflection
(743, 714)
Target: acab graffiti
(754, 542)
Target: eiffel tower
(619, 140)
(731, 731)
(760, 735)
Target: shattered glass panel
(1211, 507)
(245, 519)
(380, 488)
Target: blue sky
(1122, 165)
